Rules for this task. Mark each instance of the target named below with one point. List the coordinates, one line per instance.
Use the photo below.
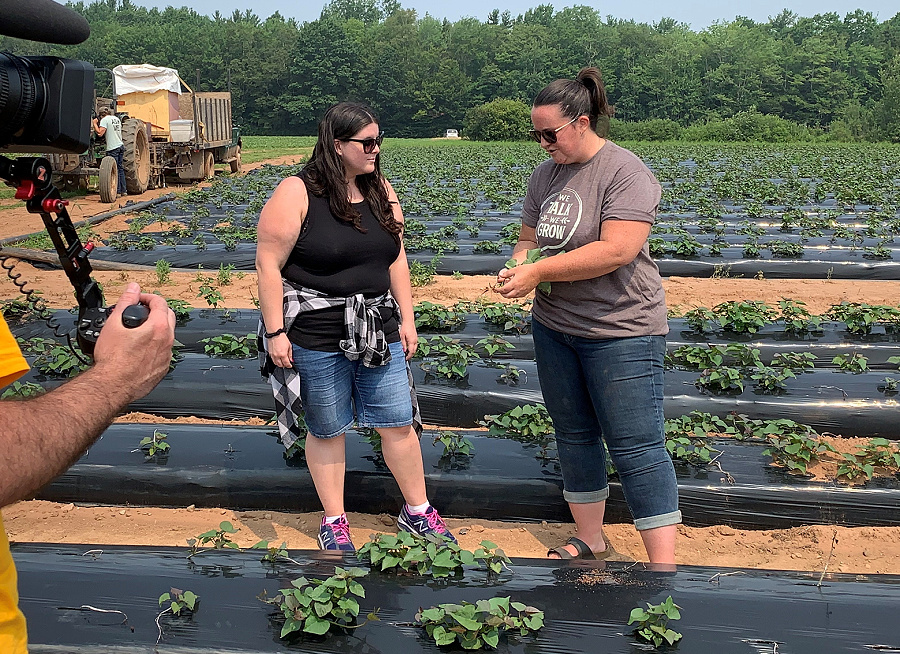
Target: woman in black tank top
(332, 232)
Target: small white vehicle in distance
(451, 134)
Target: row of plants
(686, 246)
(756, 219)
(791, 445)
(708, 237)
(748, 242)
(316, 606)
(746, 317)
(729, 367)
(750, 316)
(220, 467)
(227, 211)
(735, 316)
(456, 448)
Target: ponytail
(585, 95)
(601, 111)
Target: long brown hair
(585, 94)
(324, 172)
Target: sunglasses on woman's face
(369, 144)
(548, 135)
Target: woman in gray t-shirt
(599, 333)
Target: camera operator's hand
(139, 356)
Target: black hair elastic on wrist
(275, 333)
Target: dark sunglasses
(548, 135)
(369, 144)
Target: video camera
(45, 102)
(45, 107)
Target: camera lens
(22, 94)
(45, 104)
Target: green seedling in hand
(533, 256)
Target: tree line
(835, 75)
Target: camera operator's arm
(41, 437)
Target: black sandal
(584, 552)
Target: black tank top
(332, 257)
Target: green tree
(324, 71)
(740, 67)
(887, 109)
(498, 120)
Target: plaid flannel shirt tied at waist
(364, 339)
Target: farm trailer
(195, 143)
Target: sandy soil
(859, 550)
(868, 550)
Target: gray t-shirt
(567, 204)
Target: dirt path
(863, 551)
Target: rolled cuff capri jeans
(610, 389)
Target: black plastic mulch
(827, 400)
(586, 606)
(245, 468)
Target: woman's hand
(409, 338)
(281, 352)
(519, 281)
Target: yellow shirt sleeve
(13, 636)
(13, 632)
(12, 363)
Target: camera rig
(31, 178)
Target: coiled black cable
(37, 306)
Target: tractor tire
(236, 162)
(209, 166)
(109, 179)
(136, 158)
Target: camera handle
(32, 178)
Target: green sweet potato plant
(481, 624)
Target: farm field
(815, 224)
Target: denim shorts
(610, 389)
(332, 386)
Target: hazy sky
(697, 13)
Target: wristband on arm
(275, 333)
